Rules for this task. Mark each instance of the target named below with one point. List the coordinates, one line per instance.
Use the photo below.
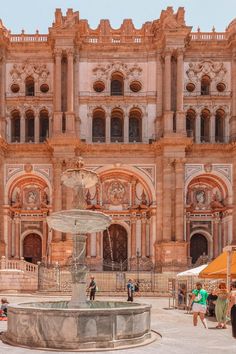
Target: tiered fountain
(78, 324)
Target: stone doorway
(118, 242)
(32, 248)
(198, 247)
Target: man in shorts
(199, 301)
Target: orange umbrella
(217, 269)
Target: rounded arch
(43, 124)
(220, 125)
(135, 125)
(214, 178)
(22, 177)
(117, 83)
(117, 125)
(29, 86)
(31, 246)
(191, 122)
(132, 172)
(15, 125)
(98, 125)
(205, 85)
(115, 246)
(207, 236)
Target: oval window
(220, 87)
(44, 88)
(190, 87)
(15, 88)
(99, 86)
(135, 86)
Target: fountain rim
(136, 307)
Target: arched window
(205, 85)
(99, 126)
(29, 126)
(219, 125)
(117, 84)
(190, 123)
(135, 126)
(117, 128)
(43, 125)
(15, 126)
(29, 86)
(205, 126)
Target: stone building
(151, 110)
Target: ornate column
(143, 235)
(108, 128)
(159, 106)
(36, 128)
(126, 127)
(22, 129)
(216, 236)
(212, 127)
(168, 114)
(17, 237)
(159, 199)
(8, 134)
(226, 128)
(44, 240)
(57, 80)
(179, 199)
(9, 237)
(233, 84)
(2, 95)
(167, 200)
(188, 231)
(180, 115)
(198, 129)
(70, 80)
(70, 117)
(133, 191)
(57, 193)
(133, 236)
(167, 78)
(57, 116)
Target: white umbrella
(194, 272)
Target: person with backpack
(92, 288)
(130, 290)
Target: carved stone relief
(104, 72)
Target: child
(4, 305)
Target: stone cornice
(118, 148)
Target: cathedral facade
(152, 111)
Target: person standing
(221, 305)
(130, 290)
(199, 304)
(232, 308)
(92, 288)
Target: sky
(38, 14)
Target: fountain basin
(102, 325)
(78, 221)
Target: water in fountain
(111, 250)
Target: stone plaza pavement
(175, 327)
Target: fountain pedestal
(78, 272)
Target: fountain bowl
(78, 221)
(101, 325)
